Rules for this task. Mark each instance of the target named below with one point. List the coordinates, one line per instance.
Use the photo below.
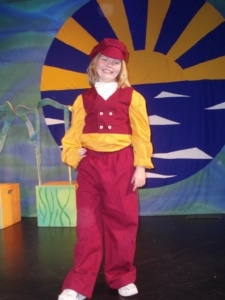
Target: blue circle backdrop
(177, 59)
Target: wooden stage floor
(177, 258)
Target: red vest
(107, 116)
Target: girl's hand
(139, 177)
(82, 152)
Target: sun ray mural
(177, 61)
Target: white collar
(106, 89)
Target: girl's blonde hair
(122, 78)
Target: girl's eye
(114, 62)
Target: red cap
(112, 48)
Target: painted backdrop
(177, 61)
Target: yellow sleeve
(141, 133)
(71, 140)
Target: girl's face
(108, 68)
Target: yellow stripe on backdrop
(58, 79)
(76, 36)
(195, 30)
(211, 69)
(115, 14)
(157, 10)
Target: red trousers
(107, 221)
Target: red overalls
(107, 221)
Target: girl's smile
(108, 68)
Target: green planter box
(56, 204)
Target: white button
(101, 113)
(101, 126)
(109, 127)
(110, 113)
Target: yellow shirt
(74, 138)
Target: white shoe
(68, 294)
(81, 297)
(128, 290)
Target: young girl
(109, 145)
